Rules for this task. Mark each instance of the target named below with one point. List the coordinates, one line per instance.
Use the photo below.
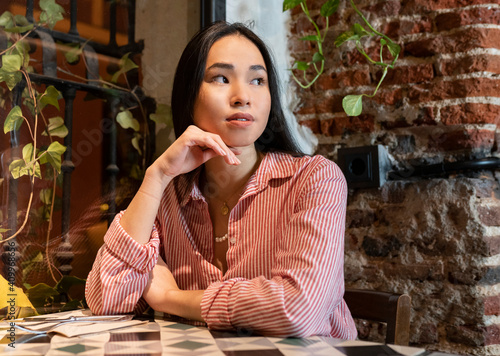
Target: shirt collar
(274, 165)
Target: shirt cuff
(216, 304)
(141, 257)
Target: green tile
(76, 348)
(180, 326)
(189, 345)
(297, 342)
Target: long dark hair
(189, 76)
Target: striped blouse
(285, 255)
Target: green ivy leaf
(310, 38)
(290, 4)
(163, 115)
(125, 64)
(51, 12)
(19, 24)
(66, 282)
(353, 104)
(17, 167)
(126, 120)
(53, 155)
(136, 142)
(22, 48)
(51, 96)
(28, 152)
(72, 305)
(344, 37)
(360, 31)
(302, 65)
(39, 294)
(1, 233)
(7, 20)
(394, 49)
(32, 167)
(11, 62)
(10, 79)
(13, 120)
(29, 265)
(329, 8)
(318, 57)
(46, 196)
(56, 127)
(73, 54)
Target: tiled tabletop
(164, 337)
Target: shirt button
(232, 240)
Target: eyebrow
(255, 67)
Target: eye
(258, 81)
(220, 79)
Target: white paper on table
(76, 329)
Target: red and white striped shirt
(285, 257)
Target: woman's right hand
(193, 148)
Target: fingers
(212, 143)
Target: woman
(231, 226)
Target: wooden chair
(393, 309)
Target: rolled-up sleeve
(121, 271)
(305, 294)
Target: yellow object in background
(13, 302)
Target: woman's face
(234, 99)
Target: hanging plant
(352, 104)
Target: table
(161, 336)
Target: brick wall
(437, 239)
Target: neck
(221, 180)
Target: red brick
(408, 74)
(383, 9)
(492, 335)
(469, 64)
(389, 96)
(461, 41)
(465, 335)
(479, 15)
(460, 88)
(394, 29)
(421, 272)
(489, 215)
(424, 6)
(301, 25)
(492, 305)
(297, 46)
(352, 78)
(328, 104)
(340, 125)
(487, 187)
(427, 116)
(313, 124)
(462, 139)
(470, 113)
(492, 245)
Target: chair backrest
(393, 309)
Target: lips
(240, 117)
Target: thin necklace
(224, 210)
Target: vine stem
(13, 45)
(49, 229)
(319, 42)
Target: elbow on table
(304, 321)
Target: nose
(240, 95)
